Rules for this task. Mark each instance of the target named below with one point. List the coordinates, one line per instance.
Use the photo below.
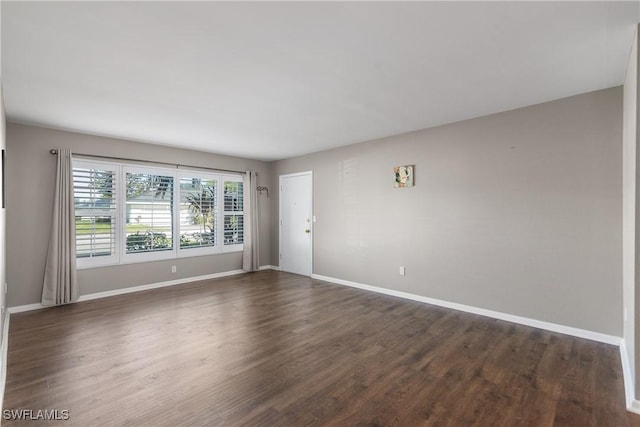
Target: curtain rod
(177, 165)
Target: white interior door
(296, 231)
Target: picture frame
(403, 176)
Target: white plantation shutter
(149, 211)
(127, 213)
(198, 211)
(94, 187)
(233, 217)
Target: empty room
(320, 213)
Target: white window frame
(121, 256)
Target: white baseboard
(3, 357)
(122, 291)
(553, 327)
(26, 307)
(105, 294)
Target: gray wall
(31, 170)
(629, 211)
(518, 212)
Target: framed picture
(403, 176)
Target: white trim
(269, 267)
(632, 404)
(105, 294)
(129, 290)
(26, 307)
(291, 175)
(553, 327)
(3, 357)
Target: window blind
(149, 213)
(198, 212)
(233, 213)
(95, 211)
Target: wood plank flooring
(277, 349)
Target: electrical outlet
(402, 271)
(173, 269)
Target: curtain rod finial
(53, 151)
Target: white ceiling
(271, 80)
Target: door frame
(311, 222)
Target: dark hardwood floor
(277, 349)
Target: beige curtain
(60, 282)
(251, 243)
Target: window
(233, 213)
(149, 212)
(198, 211)
(95, 211)
(126, 213)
